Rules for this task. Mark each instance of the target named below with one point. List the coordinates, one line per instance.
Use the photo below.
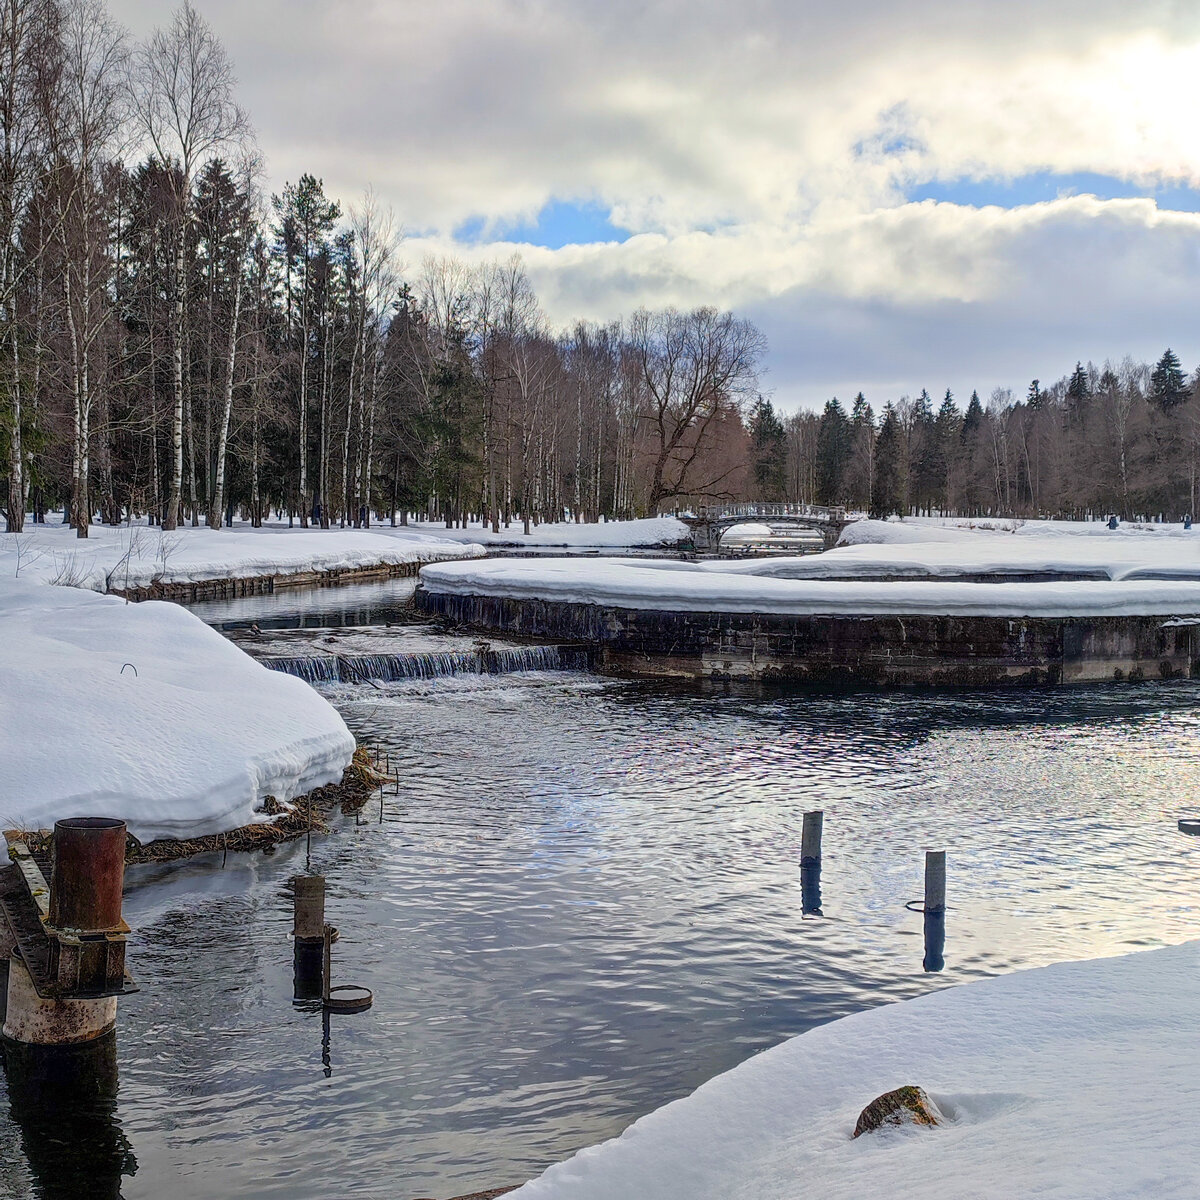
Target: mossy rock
(908, 1105)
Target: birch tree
(183, 92)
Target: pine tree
(306, 219)
(1033, 397)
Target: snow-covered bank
(137, 556)
(894, 549)
(763, 587)
(141, 711)
(883, 567)
(1071, 1082)
(584, 535)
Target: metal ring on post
(352, 998)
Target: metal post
(87, 874)
(325, 964)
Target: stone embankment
(873, 649)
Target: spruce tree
(1079, 393)
(769, 449)
(889, 496)
(1168, 384)
(946, 431)
(833, 450)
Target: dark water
(586, 901)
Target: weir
(389, 668)
(923, 650)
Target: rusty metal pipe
(87, 874)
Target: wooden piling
(935, 881)
(810, 838)
(308, 907)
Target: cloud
(758, 155)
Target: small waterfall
(433, 664)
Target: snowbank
(886, 549)
(613, 535)
(130, 556)
(141, 711)
(762, 587)
(1071, 1082)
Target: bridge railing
(811, 512)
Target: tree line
(178, 344)
(1119, 439)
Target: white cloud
(759, 151)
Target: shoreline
(306, 814)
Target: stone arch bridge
(711, 521)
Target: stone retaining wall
(897, 650)
(264, 585)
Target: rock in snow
(143, 712)
(907, 1105)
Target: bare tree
(247, 219)
(693, 367)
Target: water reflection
(810, 888)
(583, 902)
(63, 1101)
(935, 941)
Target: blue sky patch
(1048, 185)
(560, 223)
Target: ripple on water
(586, 901)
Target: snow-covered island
(899, 603)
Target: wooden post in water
(935, 910)
(810, 838)
(935, 881)
(810, 864)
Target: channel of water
(585, 901)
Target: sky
(930, 193)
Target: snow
(892, 549)
(143, 712)
(747, 529)
(763, 587)
(1070, 1082)
(883, 567)
(130, 556)
(612, 535)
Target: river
(585, 901)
